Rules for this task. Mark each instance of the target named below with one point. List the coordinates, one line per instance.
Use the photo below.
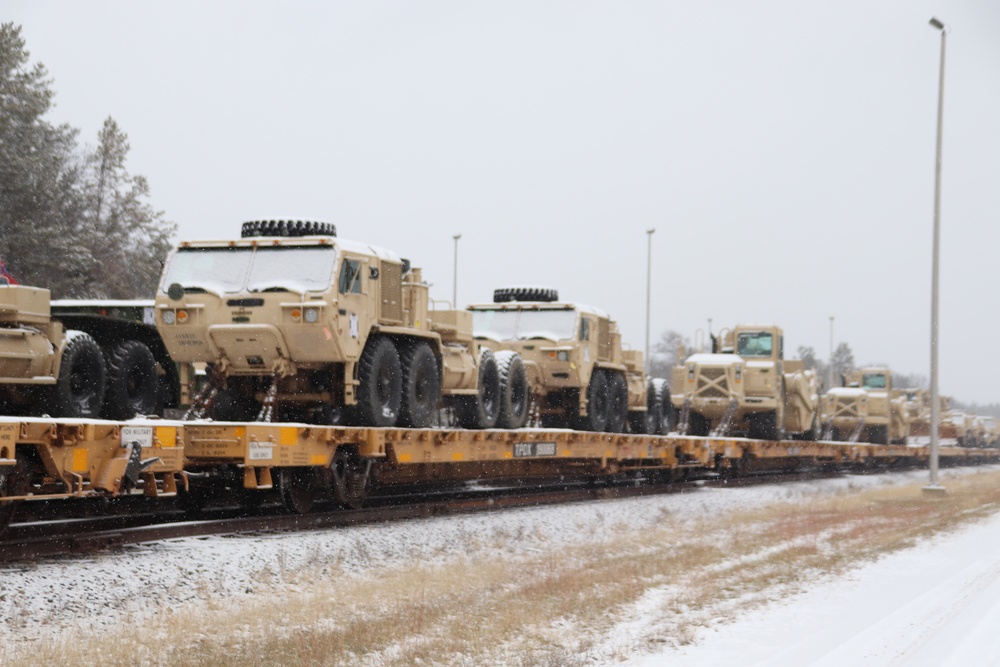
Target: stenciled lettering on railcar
(524, 450)
(141, 434)
(260, 451)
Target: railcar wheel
(79, 390)
(13, 482)
(598, 403)
(515, 395)
(482, 410)
(299, 488)
(380, 384)
(351, 475)
(617, 402)
(132, 383)
(421, 387)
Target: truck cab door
(354, 304)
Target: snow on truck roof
(716, 358)
(541, 305)
(344, 244)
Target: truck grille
(712, 383)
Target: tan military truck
(44, 368)
(918, 412)
(299, 325)
(578, 374)
(58, 360)
(866, 410)
(746, 386)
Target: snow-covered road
(936, 604)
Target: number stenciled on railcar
(260, 451)
(534, 449)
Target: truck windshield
(297, 268)
(503, 325)
(237, 269)
(873, 381)
(755, 344)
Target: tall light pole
(829, 369)
(934, 487)
(454, 283)
(649, 283)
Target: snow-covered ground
(883, 613)
(936, 604)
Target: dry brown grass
(557, 608)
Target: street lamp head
(457, 236)
(936, 23)
(650, 231)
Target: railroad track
(32, 540)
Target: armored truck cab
(746, 386)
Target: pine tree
(37, 172)
(127, 238)
(75, 222)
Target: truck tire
(648, 421)
(543, 294)
(79, 390)
(132, 383)
(617, 402)
(380, 384)
(764, 426)
(287, 228)
(667, 416)
(481, 410)
(879, 435)
(698, 424)
(515, 395)
(598, 403)
(421, 386)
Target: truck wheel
(648, 421)
(879, 435)
(380, 384)
(482, 410)
(598, 403)
(617, 403)
(132, 382)
(421, 386)
(514, 393)
(79, 390)
(764, 426)
(668, 417)
(699, 424)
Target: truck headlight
(169, 317)
(312, 315)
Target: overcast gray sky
(783, 150)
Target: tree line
(72, 218)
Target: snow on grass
(428, 588)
